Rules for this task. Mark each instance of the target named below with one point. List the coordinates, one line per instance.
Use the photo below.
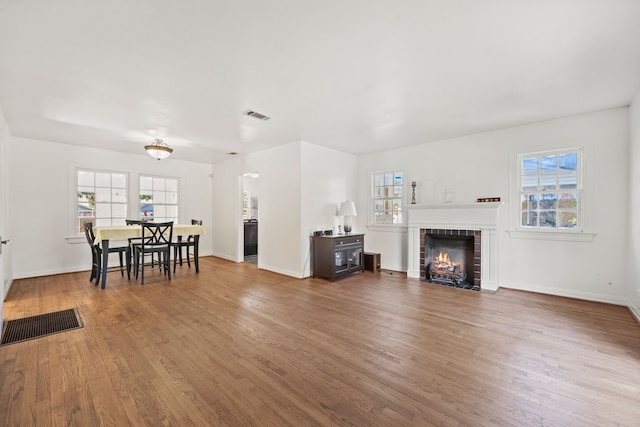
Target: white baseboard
(413, 274)
(50, 272)
(400, 269)
(294, 274)
(7, 288)
(635, 310)
(570, 293)
(289, 273)
(223, 256)
(489, 285)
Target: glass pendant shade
(158, 149)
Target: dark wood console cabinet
(337, 256)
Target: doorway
(3, 203)
(250, 215)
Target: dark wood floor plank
(235, 345)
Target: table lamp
(347, 210)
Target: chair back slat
(88, 233)
(156, 234)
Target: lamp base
(347, 229)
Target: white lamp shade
(347, 209)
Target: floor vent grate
(39, 326)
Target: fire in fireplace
(443, 270)
(451, 257)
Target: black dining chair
(136, 240)
(156, 239)
(96, 255)
(191, 242)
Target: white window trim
(74, 237)
(578, 234)
(180, 196)
(371, 225)
(552, 235)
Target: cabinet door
(355, 258)
(341, 260)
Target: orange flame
(443, 258)
(443, 261)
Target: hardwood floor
(238, 346)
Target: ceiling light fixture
(158, 149)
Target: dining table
(103, 235)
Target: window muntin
(550, 190)
(101, 198)
(158, 198)
(387, 197)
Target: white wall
(278, 213)
(227, 205)
(42, 187)
(634, 211)
(279, 219)
(300, 184)
(483, 166)
(328, 178)
(467, 168)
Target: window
(550, 190)
(387, 198)
(159, 198)
(245, 204)
(101, 198)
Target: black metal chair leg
(98, 271)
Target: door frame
(4, 249)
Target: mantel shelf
(475, 205)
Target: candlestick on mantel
(413, 192)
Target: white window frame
(532, 230)
(402, 210)
(110, 199)
(165, 201)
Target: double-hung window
(159, 198)
(101, 198)
(387, 197)
(550, 190)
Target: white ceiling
(354, 75)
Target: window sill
(552, 235)
(75, 240)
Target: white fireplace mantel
(450, 216)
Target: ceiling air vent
(256, 115)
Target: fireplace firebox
(451, 257)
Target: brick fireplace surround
(455, 218)
(477, 248)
